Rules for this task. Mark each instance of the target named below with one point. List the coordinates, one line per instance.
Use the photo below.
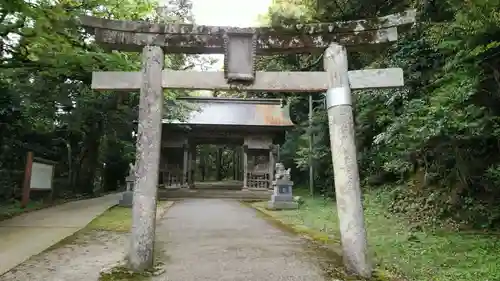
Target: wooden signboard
(258, 142)
(38, 175)
(41, 176)
(174, 142)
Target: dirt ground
(80, 259)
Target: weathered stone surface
(345, 166)
(266, 44)
(282, 197)
(193, 39)
(130, 181)
(282, 205)
(264, 81)
(140, 256)
(127, 199)
(239, 57)
(397, 19)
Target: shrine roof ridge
(214, 111)
(384, 22)
(232, 100)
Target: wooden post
(140, 256)
(345, 166)
(218, 163)
(185, 166)
(245, 167)
(271, 167)
(237, 163)
(278, 153)
(27, 180)
(311, 171)
(192, 166)
(240, 162)
(189, 166)
(234, 163)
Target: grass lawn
(9, 210)
(119, 219)
(415, 255)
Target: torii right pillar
(345, 165)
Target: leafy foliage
(438, 134)
(46, 104)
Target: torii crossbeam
(203, 39)
(299, 38)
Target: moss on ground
(121, 273)
(12, 209)
(119, 219)
(330, 258)
(426, 255)
(115, 219)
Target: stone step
(198, 187)
(226, 194)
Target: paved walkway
(29, 234)
(221, 240)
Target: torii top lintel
(196, 39)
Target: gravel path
(29, 234)
(82, 259)
(211, 239)
(198, 239)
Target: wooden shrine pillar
(271, 166)
(239, 171)
(189, 167)
(245, 166)
(185, 165)
(192, 166)
(218, 163)
(234, 161)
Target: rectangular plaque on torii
(239, 57)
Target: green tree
(47, 105)
(437, 135)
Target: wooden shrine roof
(213, 111)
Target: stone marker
(128, 195)
(282, 198)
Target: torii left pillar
(140, 255)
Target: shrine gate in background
(251, 126)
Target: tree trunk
(89, 165)
(219, 163)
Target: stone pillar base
(282, 205)
(127, 199)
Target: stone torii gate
(240, 46)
